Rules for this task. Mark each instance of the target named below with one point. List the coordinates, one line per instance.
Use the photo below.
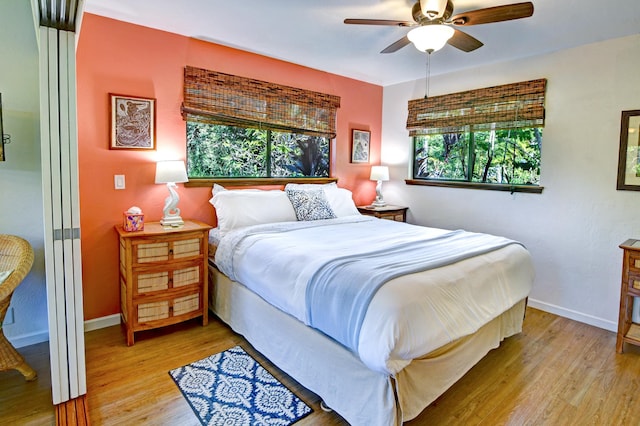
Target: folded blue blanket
(339, 292)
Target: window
(215, 150)
(487, 138)
(510, 157)
(244, 128)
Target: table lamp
(379, 173)
(170, 172)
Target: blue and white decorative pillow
(310, 204)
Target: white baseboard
(574, 315)
(43, 336)
(102, 322)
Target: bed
(422, 305)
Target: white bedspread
(408, 317)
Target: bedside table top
(386, 208)
(155, 228)
(630, 244)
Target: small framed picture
(133, 122)
(360, 146)
(629, 152)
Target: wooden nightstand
(397, 213)
(163, 275)
(629, 331)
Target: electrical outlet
(9, 319)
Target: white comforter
(409, 316)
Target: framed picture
(629, 154)
(360, 146)
(133, 122)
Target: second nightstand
(397, 213)
(629, 331)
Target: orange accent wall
(121, 58)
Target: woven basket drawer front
(186, 304)
(187, 276)
(154, 281)
(153, 252)
(153, 311)
(186, 248)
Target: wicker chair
(16, 255)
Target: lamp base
(378, 203)
(172, 222)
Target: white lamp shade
(171, 171)
(379, 173)
(429, 38)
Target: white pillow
(305, 186)
(340, 199)
(244, 207)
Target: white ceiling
(312, 32)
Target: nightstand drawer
(633, 283)
(165, 250)
(148, 282)
(634, 262)
(149, 313)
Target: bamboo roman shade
(217, 98)
(508, 106)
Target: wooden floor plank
(28, 403)
(556, 372)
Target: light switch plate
(118, 181)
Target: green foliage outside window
(495, 156)
(225, 151)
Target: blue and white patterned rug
(232, 388)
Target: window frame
(267, 155)
(461, 183)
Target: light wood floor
(557, 372)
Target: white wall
(574, 227)
(20, 177)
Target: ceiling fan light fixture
(429, 38)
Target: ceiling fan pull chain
(426, 93)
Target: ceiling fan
(433, 24)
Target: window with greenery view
(215, 150)
(488, 138)
(242, 128)
(509, 156)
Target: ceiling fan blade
(464, 41)
(494, 14)
(379, 22)
(394, 47)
